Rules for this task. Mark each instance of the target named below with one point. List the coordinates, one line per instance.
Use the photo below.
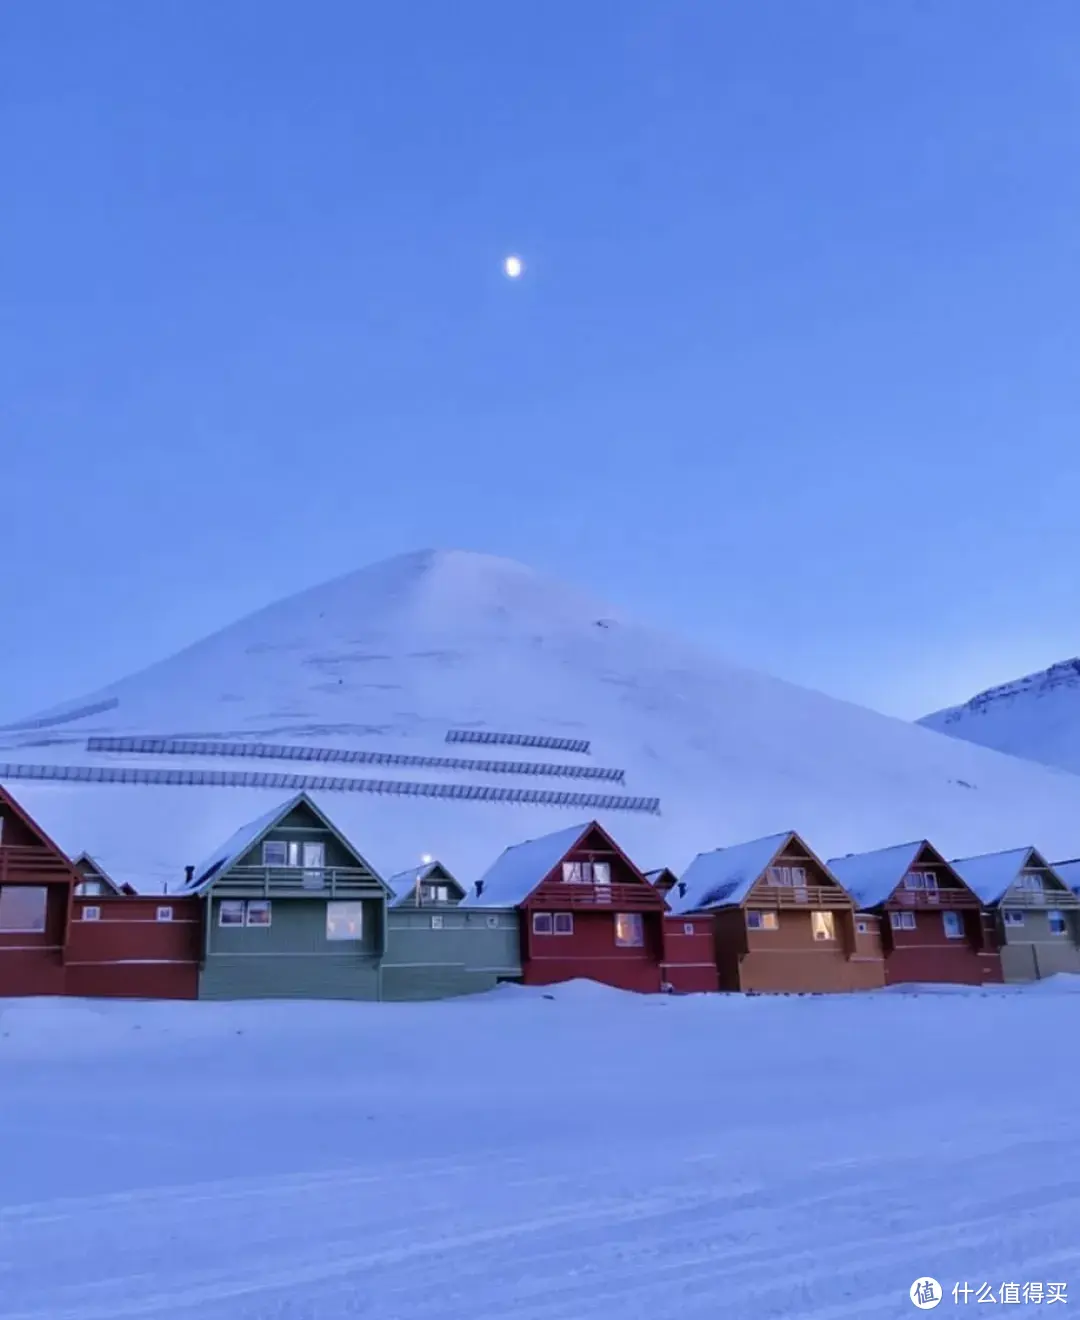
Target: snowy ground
(594, 1156)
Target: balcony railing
(277, 881)
(936, 898)
(26, 862)
(815, 896)
(1040, 898)
(622, 898)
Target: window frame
(164, 913)
(567, 920)
(1059, 913)
(827, 921)
(275, 843)
(27, 930)
(235, 906)
(637, 921)
(903, 919)
(961, 932)
(1012, 917)
(767, 919)
(91, 912)
(538, 920)
(688, 928)
(258, 904)
(862, 926)
(352, 937)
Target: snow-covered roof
(871, 877)
(514, 875)
(237, 844)
(725, 876)
(658, 874)
(991, 875)
(403, 883)
(1070, 872)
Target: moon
(513, 266)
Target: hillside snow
(576, 1154)
(390, 658)
(1037, 717)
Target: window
(601, 873)
(902, 920)
(344, 921)
(954, 925)
(257, 912)
(586, 873)
(1012, 917)
(564, 923)
(571, 873)
(924, 880)
(22, 909)
(313, 859)
(542, 923)
(688, 928)
(275, 853)
(1029, 880)
(435, 893)
(91, 914)
(231, 912)
(862, 928)
(492, 921)
(629, 930)
(164, 914)
(89, 889)
(1056, 921)
(436, 922)
(788, 877)
(823, 925)
(756, 920)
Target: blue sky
(793, 368)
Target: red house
(133, 946)
(585, 910)
(689, 965)
(933, 927)
(36, 886)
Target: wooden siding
(291, 958)
(927, 954)
(790, 959)
(1032, 951)
(128, 953)
(591, 953)
(689, 965)
(466, 952)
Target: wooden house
(662, 880)
(1037, 914)
(780, 919)
(933, 926)
(435, 951)
(133, 946)
(585, 910)
(290, 911)
(37, 882)
(95, 881)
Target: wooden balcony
(808, 896)
(951, 899)
(561, 897)
(28, 865)
(328, 882)
(1060, 899)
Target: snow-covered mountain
(1037, 717)
(389, 675)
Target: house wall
(468, 952)
(128, 953)
(789, 960)
(291, 958)
(31, 963)
(926, 954)
(591, 952)
(689, 965)
(1030, 952)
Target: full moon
(513, 267)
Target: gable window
(344, 921)
(787, 877)
(164, 914)
(312, 859)
(231, 912)
(1030, 881)
(1011, 917)
(586, 873)
(542, 923)
(564, 923)
(275, 852)
(823, 925)
(23, 909)
(89, 889)
(629, 930)
(954, 925)
(902, 920)
(1056, 921)
(922, 880)
(757, 920)
(257, 912)
(91, 914)
(435, 893)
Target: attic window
(275, 852)
(923, 880)
(89, 889)
(435, 893)
(1030, 881)
(788, 877)
(586, 873)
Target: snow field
(585, 1156)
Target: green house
(1037, 914)
(292, 911)
(434, 950)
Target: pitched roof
(518, 871)
(991, 875)
(724, 877)
(403, 883)
(871, 877)
(101, 874)
(1069, 871)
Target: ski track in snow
(778, 1190)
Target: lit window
(91, 914)
(1056, 921)
(231, 912)
(1012, 917)
(823, 925)
(22, 909)
(164, 914)
(275, 853)
(564, 923)
(629, 930)
(257, 912)
(344, 921)
(954, 925)
(571, 873)
(756, 920)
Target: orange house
(781, 920)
